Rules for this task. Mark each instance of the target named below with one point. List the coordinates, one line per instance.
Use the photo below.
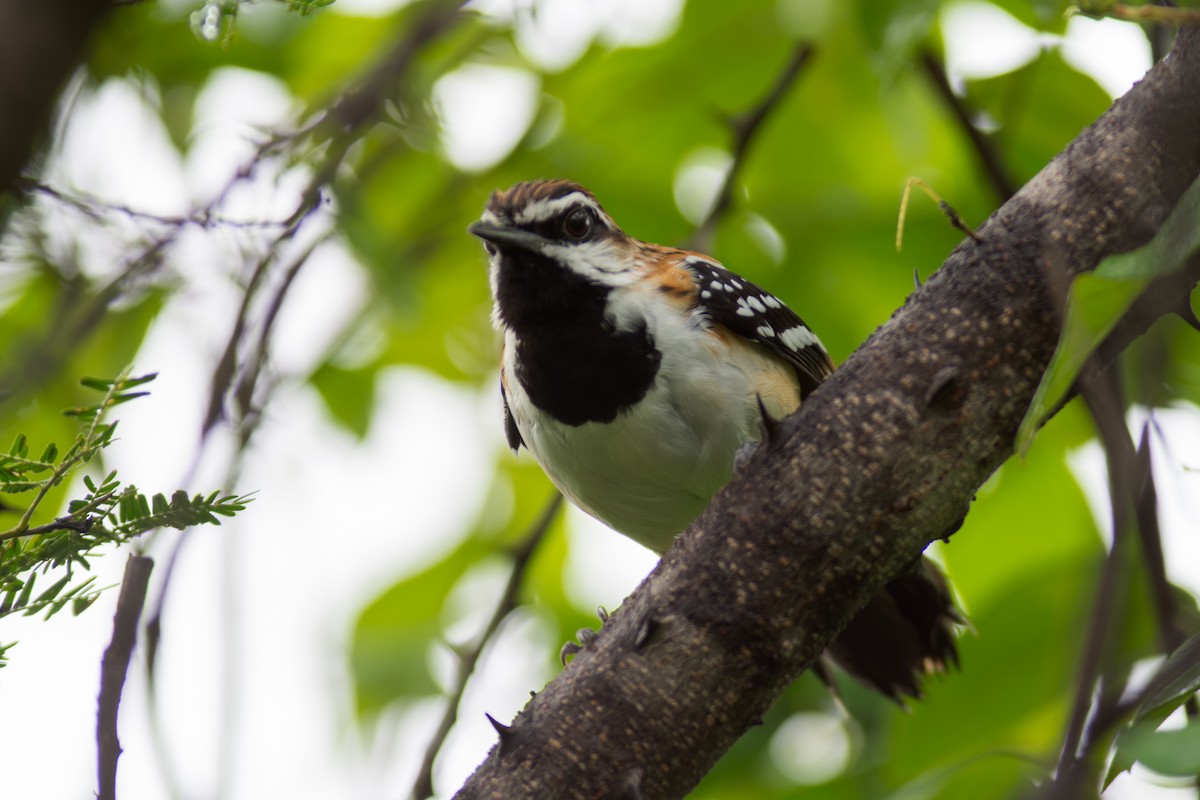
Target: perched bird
(634, 372)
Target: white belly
(652, 470)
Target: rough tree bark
(881, 460)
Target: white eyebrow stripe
(542, 210)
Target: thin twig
(423, 785)
(985, 149)
(1102, 394)
(342, 122)
(225, 372)
(115, 665)
(72, 523)
(244, 390)
(952, 216)
(1155, 14)
(92, 206)
(745, 128)
(1170, 635)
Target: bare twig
(1101, 392)
(1155, 14)
(745, 128)
(225, 372)
(952, 216)
(1170, 635)
(340, 125)
(71, 523)
(94, 206)
(468, 658)
(249, 380)
(985, 149)
(114, 667)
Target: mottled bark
(881, 460)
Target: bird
(635, 373)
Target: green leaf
(125, 397)
(26, 592)
(81, 604)
(349, 394)
(138, 380)
(52, 592)
(99, 384)
(1177, 679)
(306, 7)
(1099, 299)
(1043, 15)
(1175, 753)
(392, 634)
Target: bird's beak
(505, 236)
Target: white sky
(283, 580)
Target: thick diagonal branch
(41, 44)
(884, 457)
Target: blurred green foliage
(813, 219)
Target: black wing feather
(730, 300)
(510, 425)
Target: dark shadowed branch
(880, 460)
(41, 44)
(115, 666)
(745, 128)
(985, 150)
(1079, 761)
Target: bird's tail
(905, 633)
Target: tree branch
(745, 129)
(41, 44)
(114, 667)
(984, 147)
(880, 460)
(1079, 760)
(469, 657)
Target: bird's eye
(578, 224)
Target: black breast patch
(571, 361)
(586, 371)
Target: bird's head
(553, 252)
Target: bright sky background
(276, 585)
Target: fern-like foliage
(109, 513)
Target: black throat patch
(570, 360)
